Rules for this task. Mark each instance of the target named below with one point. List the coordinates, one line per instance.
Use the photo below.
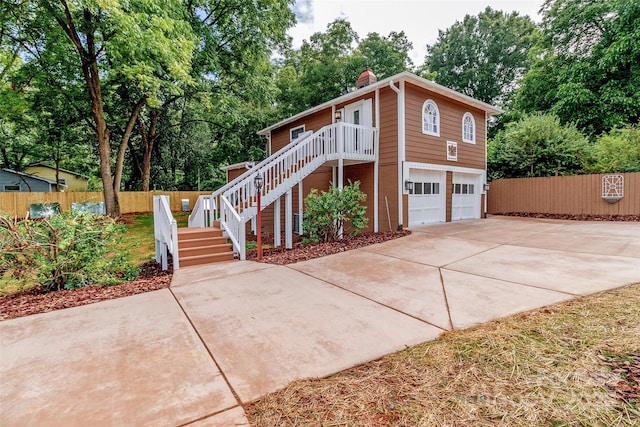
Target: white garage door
(427, 201)
(465, 200)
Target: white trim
(296, 128)
(246, 165)
(376, 164)
(401, 149)
(404, 76)
(473, 124)
(437, 124)
(445, 168)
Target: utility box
(185, 205)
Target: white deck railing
(201, 214)
(234, 226)
(284, 169)
(165, 230)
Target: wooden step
(198, 233)
(206, 259)
(202, 241)
(204, 250)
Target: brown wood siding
(364, 174)
(563, 195)
(431, 149)
(281, 136)
(388, 129)
(234, 173)
(388, 187)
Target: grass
(547, 367)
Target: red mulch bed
(300, 252)
(582, 217)
(152, 278)
(29, 302)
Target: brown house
(418, 149)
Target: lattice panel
(612, 188)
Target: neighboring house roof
(246, 165)
(53, 168)
(404, 76)
(39, 178)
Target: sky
(419, 19)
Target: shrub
(63, 251)
(617, 151)
(329, 215)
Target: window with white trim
(425, 188)
(468, 128)
(430, 118)
(62, 181)
(295, 132)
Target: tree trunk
(135, 112)
(148, 140)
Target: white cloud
(419, 19)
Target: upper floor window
(294, 133)
(468, 128)
(430, 118)
(62, 181)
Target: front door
(358, 113)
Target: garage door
(465, 200)
(427, 200)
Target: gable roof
(63, 170)
(404, 76)
(38, 178)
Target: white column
(300, 206)
(277, 240)
(288, 220)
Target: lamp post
(257, 182)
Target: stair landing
(203, 245)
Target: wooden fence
(17, 204)
(569, 195)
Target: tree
(138, 47)
(386, 56)
(588, 70)
(483, 56)
(537, 145)
(618, 151)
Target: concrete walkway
(224, 335)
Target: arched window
(430, 118)
(468, 128)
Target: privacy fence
(610, 194)
(17, 204)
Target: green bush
(63, 251)
(330, 215)
(617, 151)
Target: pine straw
(542, 368)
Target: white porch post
(340, 141)
(277, 240)
(401, 148)
(300, 206)
(288, 220)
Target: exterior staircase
(203, 245)
(221, 217)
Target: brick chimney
(366, 78)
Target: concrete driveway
(224, 335)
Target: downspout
(401, 145)
(486, 162)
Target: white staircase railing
(283, 170)
(165, 230)
(202, 214)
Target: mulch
(581, 217)
(151, 277)
(33, 301)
